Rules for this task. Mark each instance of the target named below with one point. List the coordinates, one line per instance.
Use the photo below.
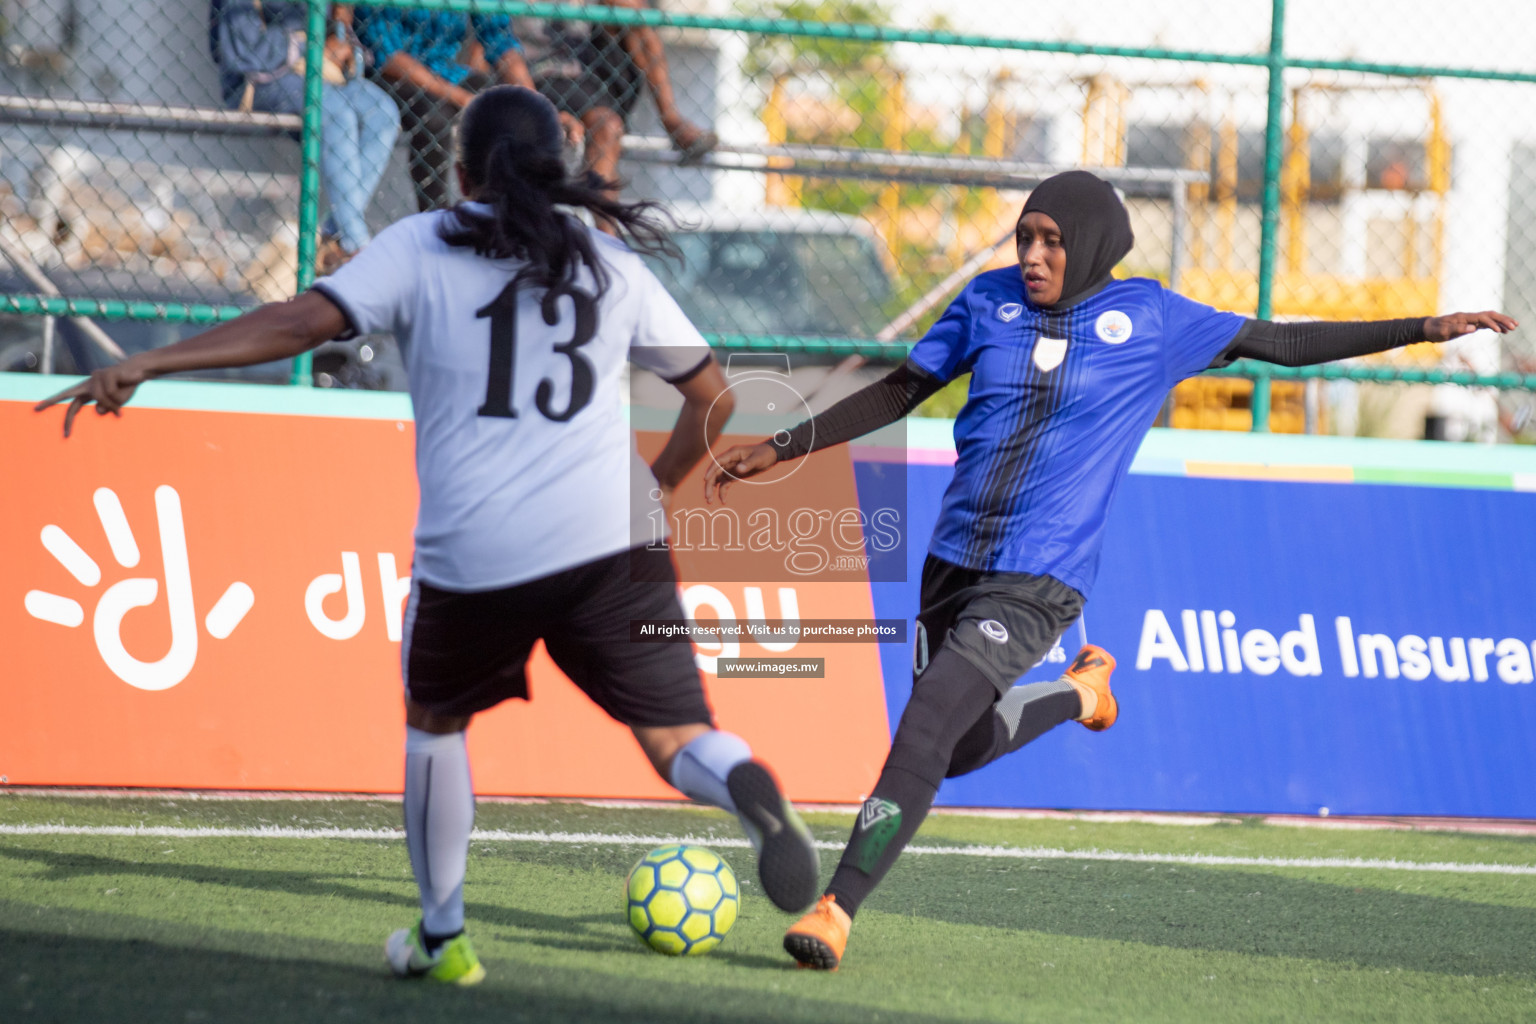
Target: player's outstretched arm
(279, 330)
(1454, 325)
(1307, 344)
(879, 404)
(707, 405)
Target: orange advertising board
(201, 599)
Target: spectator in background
(433, 63)
(262, 42)
(594, 72)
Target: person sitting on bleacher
(433, 63)
(594, 72)
(263, 42)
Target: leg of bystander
(360, 125)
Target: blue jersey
(1059, 403)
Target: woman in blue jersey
(1069, 369)
(516, 321)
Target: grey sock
(439, 813)
(1020, 716)
(1036, 708)
(700, 769)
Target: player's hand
(339, 51)
(737, 463)
(1454, 325)
(575, 131)
(109, 388)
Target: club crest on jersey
(1009, 312)
(1113, 327)
(1049, 352)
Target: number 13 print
(502, 312)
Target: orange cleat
(1089, 675)
(817, 940)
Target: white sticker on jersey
(1113, 327)
(1009, 312)
(993, 630)
(1049, 352)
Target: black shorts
(465, 653)
(1001, 622)
(609, 78)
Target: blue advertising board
(1304, 626)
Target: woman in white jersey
(516, 321)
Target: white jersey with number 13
(525, 462)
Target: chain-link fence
(838, 168)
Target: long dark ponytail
(510, 146)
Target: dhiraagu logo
(137, 592)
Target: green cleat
(455, 962)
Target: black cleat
(787, 863)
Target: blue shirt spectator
(433, 63)
(435, 38)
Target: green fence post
(1274, 141)
(309, 174)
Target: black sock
(432, 943)
(1024, 714)
(887, 822)
(980, 746)
(947, 700)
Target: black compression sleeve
(883, 402)
(1318, 341)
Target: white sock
(1087, 696)
(699, 770)
(439, 813)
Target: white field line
(1473, 826)
(630, 839)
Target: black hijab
(1095, 229)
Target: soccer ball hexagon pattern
(682, 899)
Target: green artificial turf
(236, 929)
